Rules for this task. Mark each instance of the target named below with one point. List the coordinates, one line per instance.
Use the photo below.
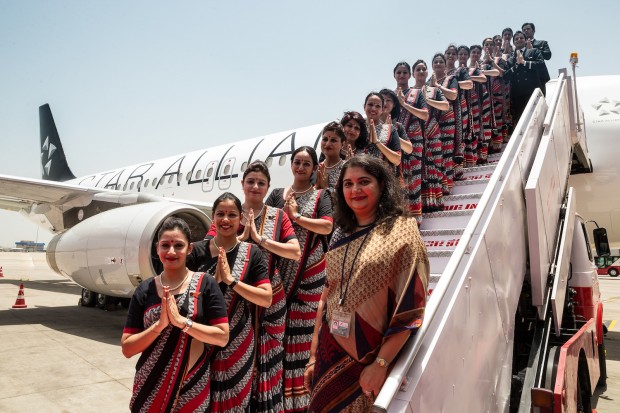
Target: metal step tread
(440, 253)
(444, 214)
(479, 168)
(459, 197)
(472, 182)
(441, 232)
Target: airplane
(106, 222)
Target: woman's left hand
(372, 378)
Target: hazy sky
(133, 81)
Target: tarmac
(58, 357)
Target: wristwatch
(188, 324)
(296, 215)
(233, 283)
(382, 362)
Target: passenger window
(198, 174)
(282, 160)
(269, 161)
(210, 172)
(131, 186)
(226, 169)
(146, 183)
(244, 166)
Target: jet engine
(112, 252)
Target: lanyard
(343, 295)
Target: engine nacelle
(112, 252)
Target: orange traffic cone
(20, 302)
(1, 273)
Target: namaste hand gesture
(388, 119)
(373, 132)
(488, 54)
(348, 151)
(528, 44)
(321, 177)
(175, 318)
(290, 205)
(433, 81)
(164, 319)
(222, 270)
(253, 232)
(400, 96)
(520, 59)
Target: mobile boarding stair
(461, 358)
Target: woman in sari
(310, 210)
(270, 229)
(242, 275)
(383, 141)
(375, 294)
(173, 320)
(332, 142)
(461, 116)
(448, 85)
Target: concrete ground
(58, 357)
(54, 355)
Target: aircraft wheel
(106, 302)
(612, 272)
(89, 298)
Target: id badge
(340, 324)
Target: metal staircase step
(475, 185)
(446, 219)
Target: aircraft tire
(89, 298)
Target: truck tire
(602, 363)
(612, 272)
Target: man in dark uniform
(524, 74)
(528, 30)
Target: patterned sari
(303, 284)
(268, 388)
(412, 163)
(164, 381)
(386, 295)
(232, 366)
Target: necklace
(245, 215)
(334, 165)
(367, 225)
(440, 80)
(300, 192)
(161, 279)
(218, 248)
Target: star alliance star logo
(606, 107)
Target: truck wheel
(602, 363)
(584, 398)
(89, 298)
(612, 272)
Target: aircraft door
(209, 176)
(224, 178)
